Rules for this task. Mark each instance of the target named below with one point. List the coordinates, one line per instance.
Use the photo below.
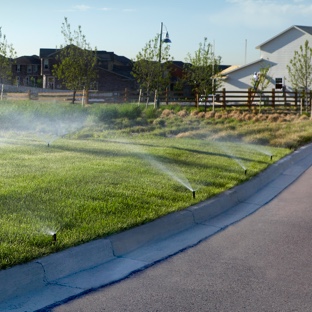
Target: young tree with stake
(7, 55)
(151, 67)
(77, 61)
(201, 70)
(300, 69)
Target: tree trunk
(74, 97)
(87, 96)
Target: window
(46, 64)
(278, 83)
(29, 69)
(18, 68)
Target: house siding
(277, 53)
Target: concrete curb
(140, 247)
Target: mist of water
(23, 124)
(259, 148)
(230, 153)
(172, 171)
(49, 230)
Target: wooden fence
(223, 98)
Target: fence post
(126, 95)
(296, 97)
(196, 98)
(2, 92)
(223, 98)
(249, 98)
(140, 95)
(310, 98)
(156, 99)
(28, 94)
(273, 98)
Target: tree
(151, 67)
(7, 55)
(201, 70)
(77, 61)
(300, 68)
(261, 82)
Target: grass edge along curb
(18, 280)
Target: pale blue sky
(125, 26)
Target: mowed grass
(87, 188)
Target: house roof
(229, 69)
(234, 68)
(28, 60)
(46, 53)
(305, 29)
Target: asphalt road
(262, 263)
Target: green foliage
(108, 113)
(150, 113)
(264, 79)
(201, 70)
(86, 189)
(77, 61)
(7, 54)
(151, 66)
(300, 68)
(95, 181)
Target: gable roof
(234, 68)
(46, 53)
(28, 60)
(304, 29)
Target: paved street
(262, 263)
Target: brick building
(26, 71)
(114, 71)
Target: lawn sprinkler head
(271, 157)
(48, 144)
(54, 238)
(245, 171)
(193, 192)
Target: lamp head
(167, 40)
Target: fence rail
(224, 98)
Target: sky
(233, 27)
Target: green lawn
(92, 183)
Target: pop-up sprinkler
(54, 238)
(193, 194)
(245, 171)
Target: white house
(276, 53)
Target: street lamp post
(161, 40)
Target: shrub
(273, 117)
(130, 111)
(167, 113)
(159, 122)
(182, 113)
(210, 114)
(201, 114)
(151, 113)
(107, 113)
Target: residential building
(114, 71)
(275, 53)
(26, 71)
